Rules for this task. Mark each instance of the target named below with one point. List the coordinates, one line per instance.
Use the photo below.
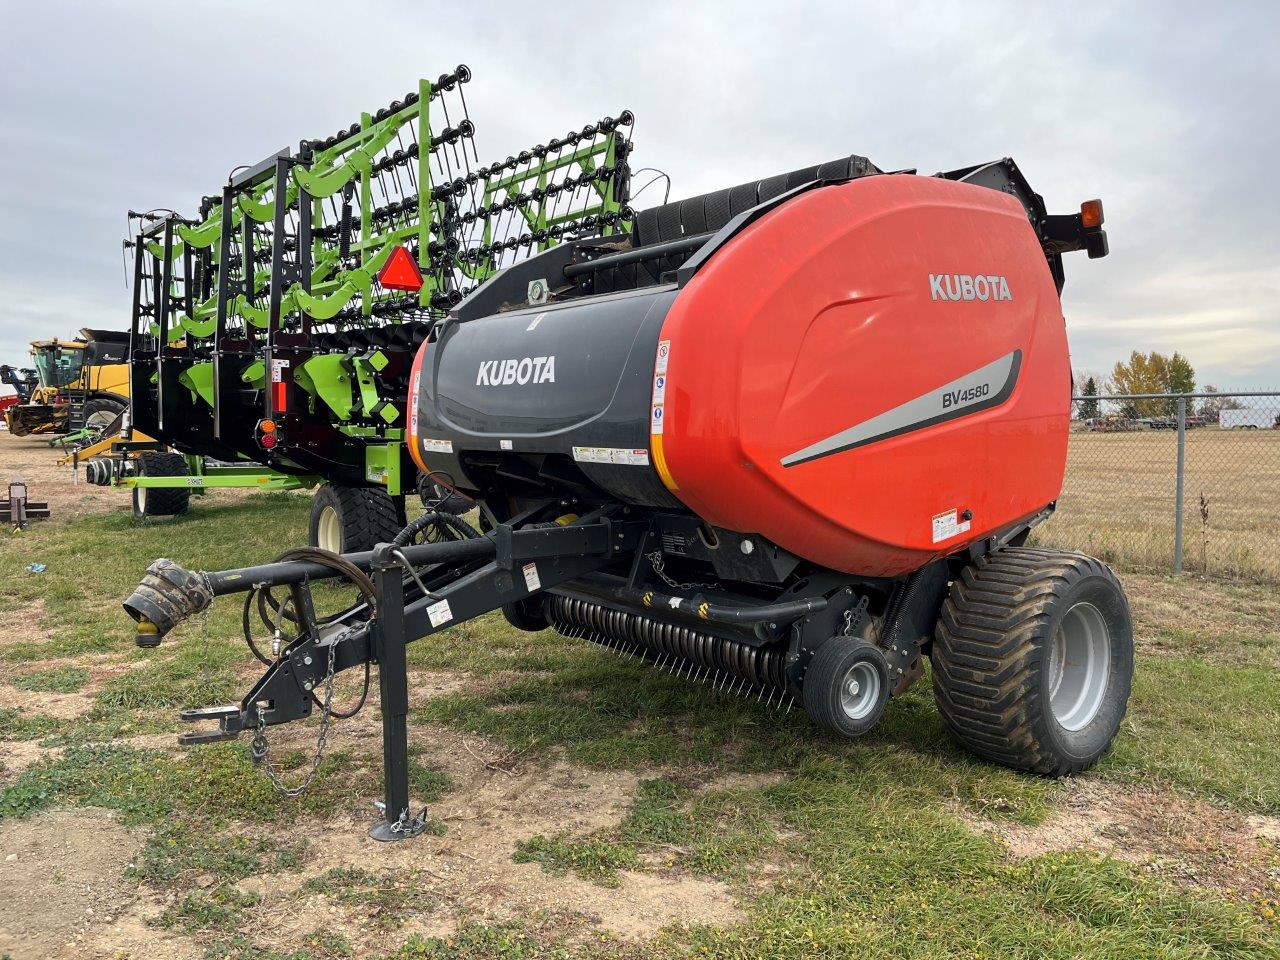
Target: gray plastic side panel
(486, 386)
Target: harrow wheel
(160, 502)
(847, 686)
(353, 519)
(1033, 659)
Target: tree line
(1148, 373)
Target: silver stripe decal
(978, 390)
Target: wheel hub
(329, 530)
(860, 691)
(1079, 666)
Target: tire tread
(988, 654)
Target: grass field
(1119, 493)
(584, 805)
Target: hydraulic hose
(345, 569)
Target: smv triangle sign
(400, 272)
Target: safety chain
(259, 746)
(656, 561)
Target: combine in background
(82, 385)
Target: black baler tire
(368, 516)
(161, 502)
(825, 675)
(991, 650)
(526, 615)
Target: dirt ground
(67, 894)
(31, 459)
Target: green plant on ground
(57, 680)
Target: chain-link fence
(1169, 482)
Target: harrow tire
(1033, 659)
(353, 519)
(846, 686)
(160, 502)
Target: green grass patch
(219, 910)
(180, 850)
(18, 724)
(837, 848)
(1209, 728)
(385, 899)
(218, 782)
(593, 858)
(57, 680)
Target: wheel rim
(329, 530)
(859, 691)
(99, 420)
(1079, 666)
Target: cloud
(1162, 109)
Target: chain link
(260, 747)
(656, 561)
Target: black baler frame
(423, 589)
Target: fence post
(1181, 483)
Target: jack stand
(397, 822)
(386, 831)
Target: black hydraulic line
(720, 613)
(654, 252)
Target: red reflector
(279, 396)
(400, 272)
(268, 440)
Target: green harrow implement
(273, 336)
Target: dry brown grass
(1118, 501)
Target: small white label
(277, 370)
(664, 356)
(505, 445)
(439, 613)
(437, 446)
(656, 418)
(533, 324)
(531, 581)
(948, 525)
(637, 457)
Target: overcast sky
(1165, 110)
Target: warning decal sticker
(948, 525)
(439, 613)
(531, 581)
(638, 457)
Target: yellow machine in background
(84, 385)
